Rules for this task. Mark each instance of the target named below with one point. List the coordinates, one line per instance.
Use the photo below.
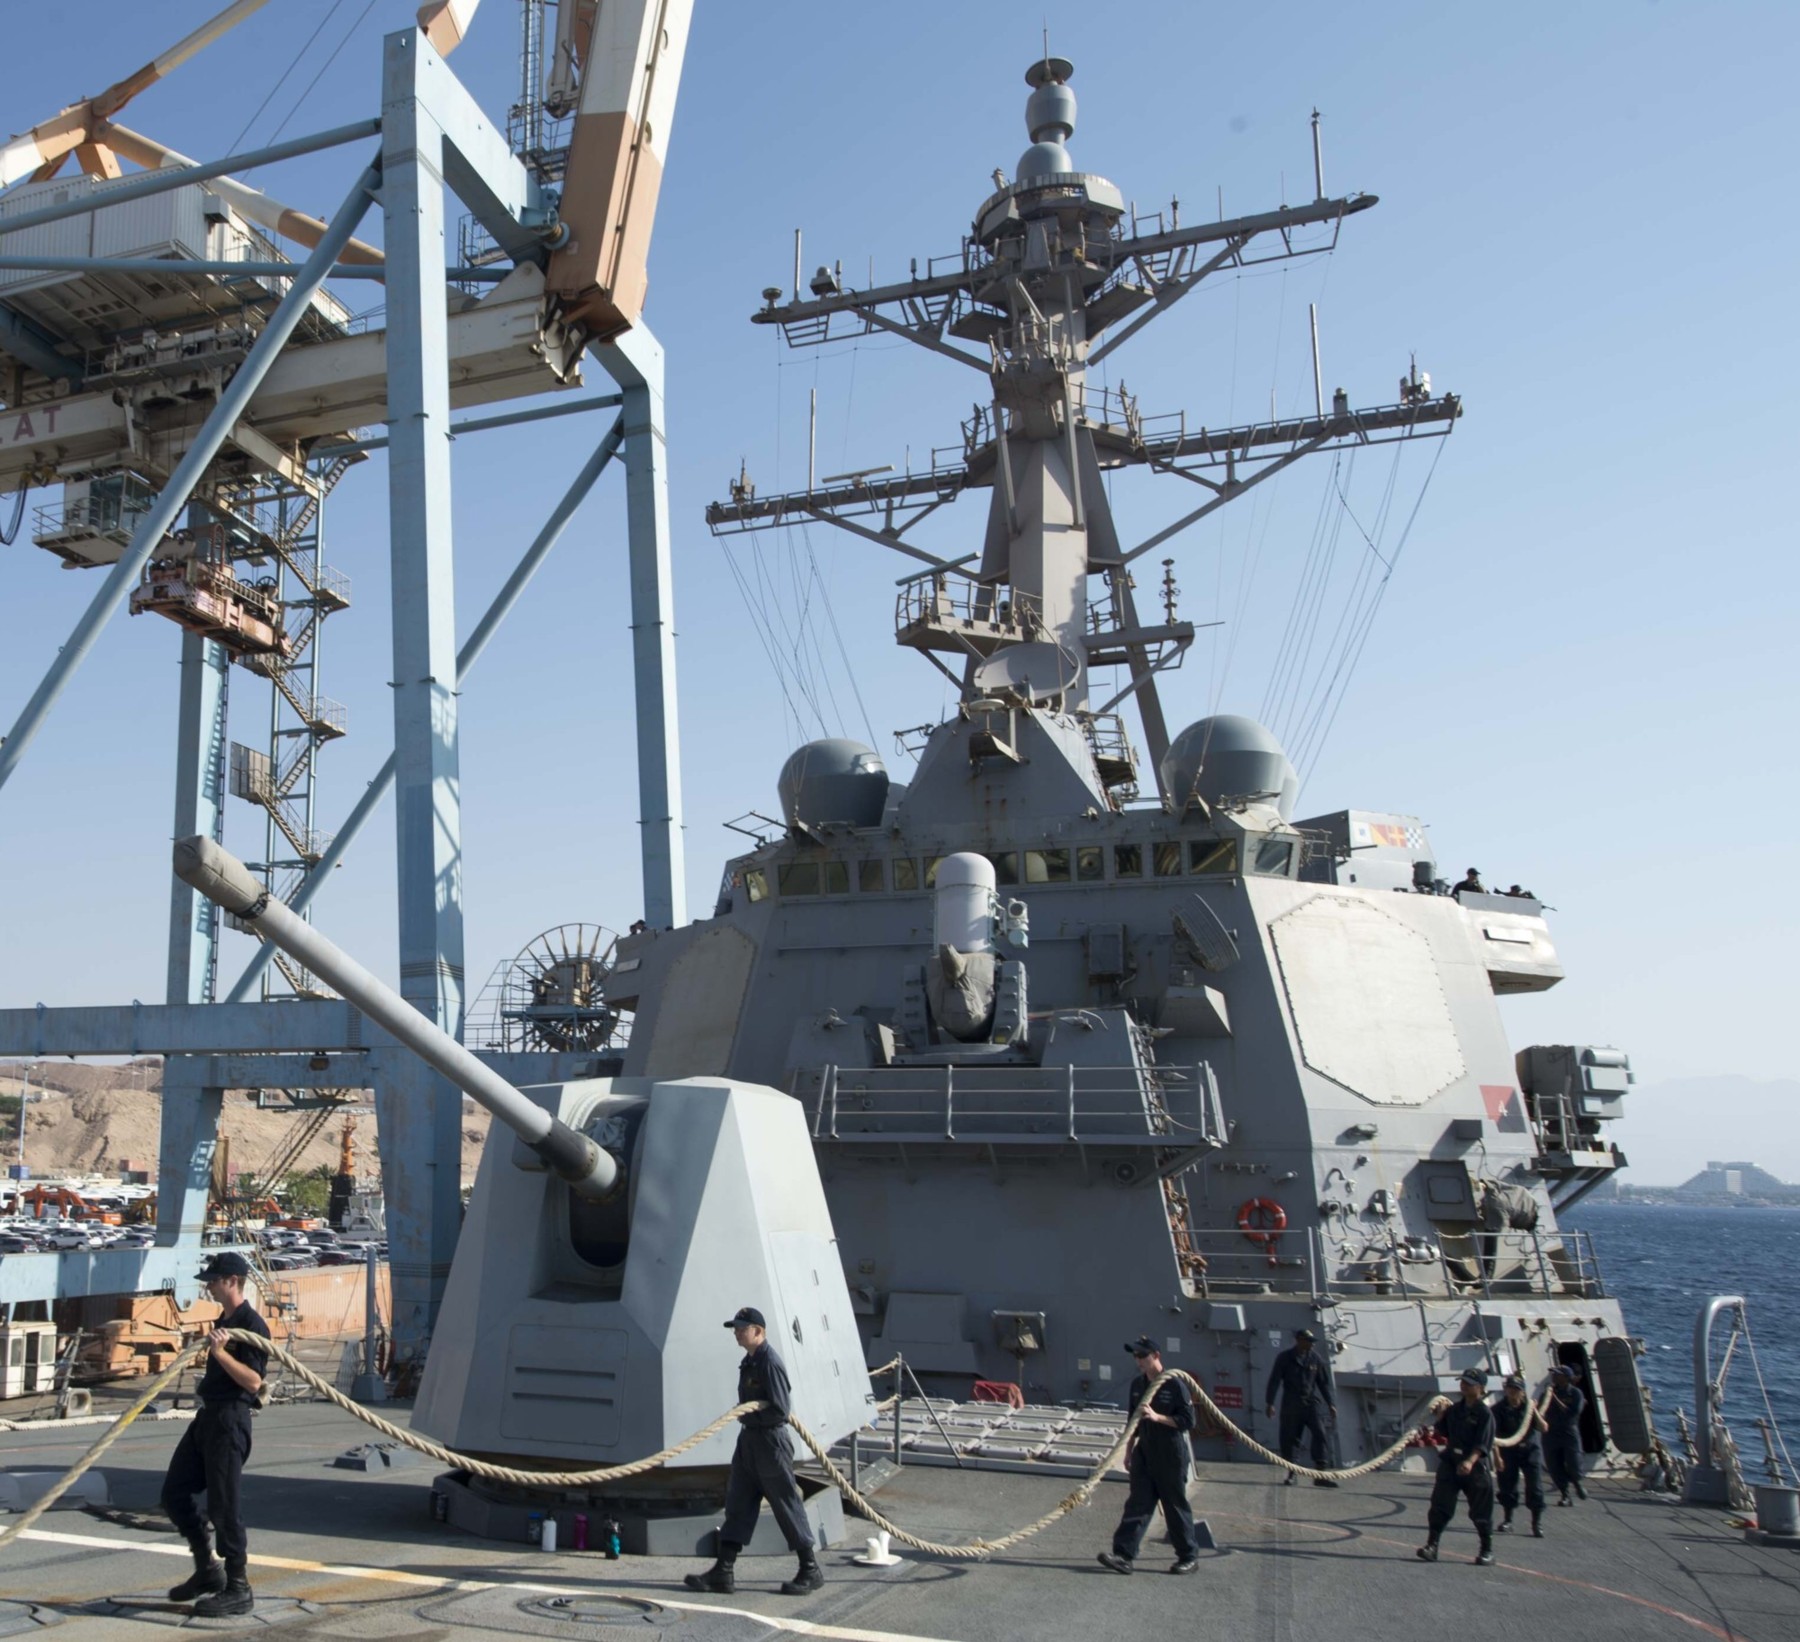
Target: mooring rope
(972, 1551)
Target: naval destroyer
(1092, 1034)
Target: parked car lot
(283, 1248)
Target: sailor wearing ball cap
(1303, 1380)
(762, 1466)
(1562, 1444)
(1524, 1458)
(1156, 1462)
(1465, 1467)
(210, 1457)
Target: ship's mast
(1048, 512)
(1054, 262)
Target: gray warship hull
(1192, 1067)
(1096, 1189)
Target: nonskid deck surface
(336, 1553)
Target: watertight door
(1615, 1367)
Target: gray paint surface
(1067, 1165)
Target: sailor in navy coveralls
(1307, 1403)
(1465, 1467)
(1523, 1459)
(210, 1456)
(1562, 1441)
(762, 1467)
(1157, 1464)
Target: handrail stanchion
(899, 1400)
(1537, 1246)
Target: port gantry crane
(198, 398)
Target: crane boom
(251, 202)
(41, 151)
(445, 22)
(630, 68)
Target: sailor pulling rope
(973, 1551)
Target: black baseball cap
(746, 1316)
(1474, 1376)
(228, 1264)
(1143, 1346)
(1304, 1334)
(1515, 1382)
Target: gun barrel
(223, 879)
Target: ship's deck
(336, 1553)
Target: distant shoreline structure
(1727, 1185)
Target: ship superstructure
(1077, 1063)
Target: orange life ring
(1262, 1220)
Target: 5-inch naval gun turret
(614, 1223)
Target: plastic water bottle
(548, 1538)
(578, 1539)
(534, 1528)
(612, 1541)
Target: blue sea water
(1662, 1262)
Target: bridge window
(906, 873)
(836, 877)
(1090, 863)
(756, 884)
(1006, 867)
(1128, 860)
(798, 877)
(1047, 866)
(1167, 859)
(1275, 856)
(1212, 855)
(871, 877)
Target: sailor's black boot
(1484, 1558)
(208, 1575)
(1537, 1524)
(1427, 1552)
(1580, 1492)
(234, 1599)
(809, 1577)
(721, 1577)
(1504, 1525)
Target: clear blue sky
(1580, 678)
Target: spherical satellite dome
(833, 783)
(1228, 757)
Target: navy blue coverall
(1562, 1443)
(210, 1457)
(1467, 1428)
(1307, 1403)
(762, 1465)
(1158, 1472)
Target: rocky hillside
(85, 1118)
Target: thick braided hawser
(973, 1551)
